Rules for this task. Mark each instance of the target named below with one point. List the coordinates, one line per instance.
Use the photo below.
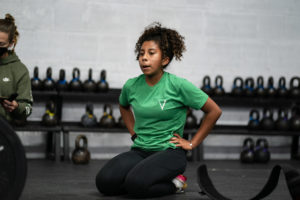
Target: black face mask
(3, 50)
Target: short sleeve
(191, 95)
(123, 98)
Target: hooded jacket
(14, 78)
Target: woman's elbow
(218, 112)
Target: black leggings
(141, 173)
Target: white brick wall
(231, 38)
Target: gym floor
(48, 180)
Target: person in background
(154, 107)
(14, 76)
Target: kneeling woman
(159, 101)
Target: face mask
(3, 50)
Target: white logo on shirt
(5, 79)
(163, 105)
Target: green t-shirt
(160, 110)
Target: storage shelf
(37, 126)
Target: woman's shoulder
(132, 81)
(175, 80)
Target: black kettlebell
(191, 120)
(295, 119)
(62, 84)
(219, 90)
(102, 85)
(282, 90)
(48, 83)
(282, 122)
(261, 152)
(270, 90)
(260, 91)
(89, 85)
(206, 85)
(107, 120)
(294, 89)
(249, 87)
(238, 87)
(253, 123)
(247, 154)
(89, 119)
(121, 123)
(36, 83)
(75, 84)
(49, 118)
(267, 122)
(81, 155)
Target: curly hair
(7, 25)
(170, 42)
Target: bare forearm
(128, 118)
(207, 124)
(212, 114)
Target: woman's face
(150, 59)
(4, 44)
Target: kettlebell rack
(112, 97)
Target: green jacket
(14, 78)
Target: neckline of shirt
(158, 83)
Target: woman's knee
(107, 183)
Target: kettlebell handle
(62, 74)
(49, 72)
(249, 143)
(103, 75)
(206, 81)
(268, 113)
(249, 83)
(262, 142)
(270, 82)
(260, 81)
(282, 82)
(108, 106)
(238, 80)
(252, 113)
(78, 139)
(90, 74)
(293, 79)
(76, 73)
(36, 72)
(219, 79)
(283, 113)
(89, 108)
(50, 106)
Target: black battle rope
(292, 178)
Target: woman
(159, 101)
(14, 76)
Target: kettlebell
(191, 120)
(282, 122)
(295, 119)
(270, 90)
(267, 122)
(75, 84)
(219, 90)
(107, 120)
(295, 89)
(62, 84)
(48, 83)
(247, 154)
(249, 87)
(89, 85)
(260, 91)
(81, 155)
(282, 90)
(121, 123)
(102, 85)
(49, 118)
(36, 83)
(261, 152)
(253, 123)
(89, 119)
(238, 87)
(206, 85)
